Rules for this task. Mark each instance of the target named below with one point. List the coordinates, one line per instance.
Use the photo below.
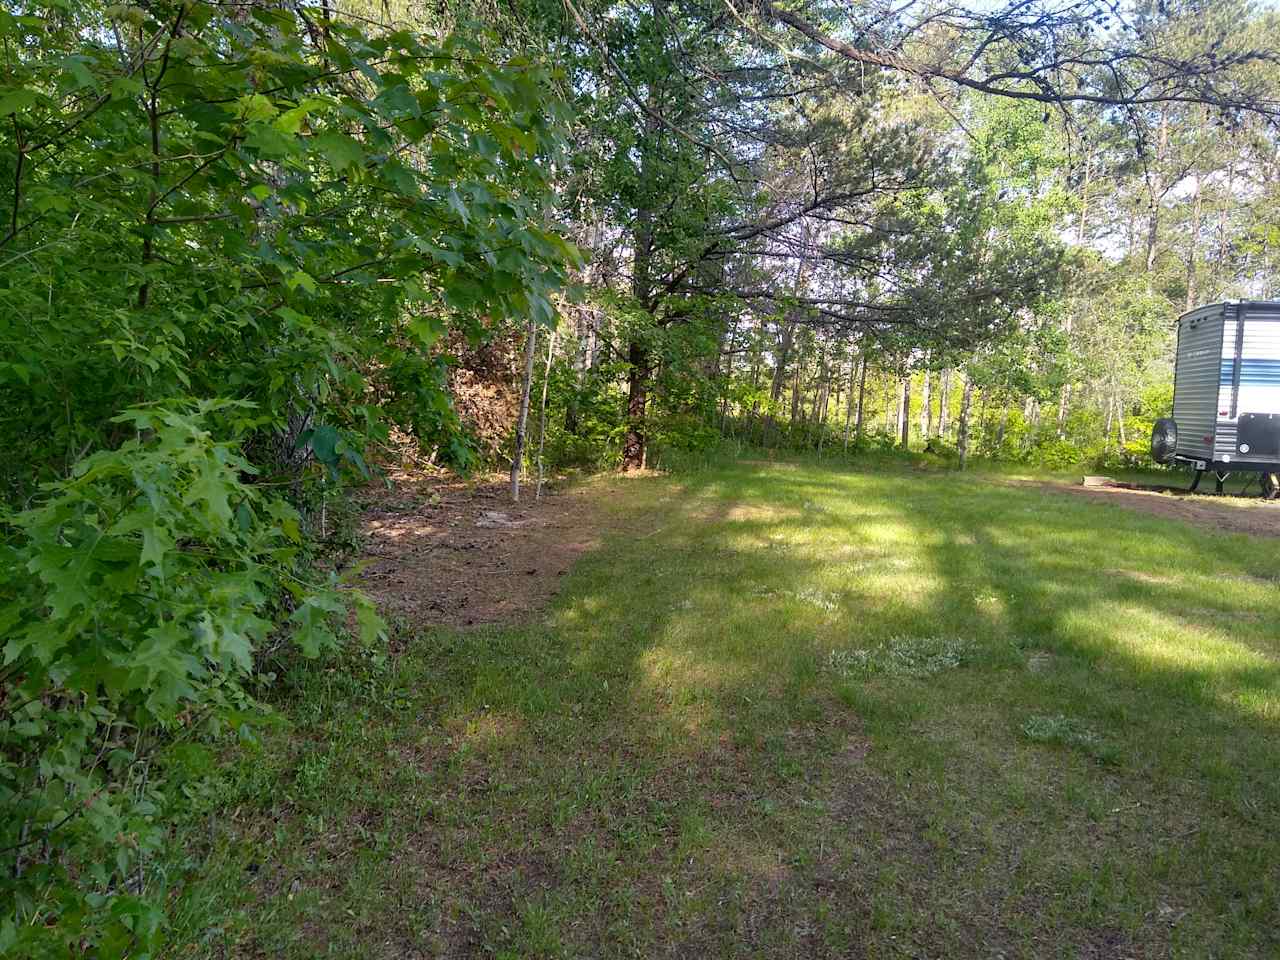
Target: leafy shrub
(208, 202)
(874, 441)
(132, 596)
(1057, 454)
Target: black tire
(1164, 440)
(1270, 486)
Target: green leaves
(342, 152)
(230, 208)
(14, 100)
(133, 593)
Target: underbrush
(148, 601)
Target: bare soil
(1259, 518)
(458, 553)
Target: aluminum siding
(1197, 371)
(1259, 374)
(1224, 434)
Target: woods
(247, 249)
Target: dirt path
(460, 553)
(1257, 518)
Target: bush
(133, 595)
(1057, 454)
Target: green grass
(790, 711)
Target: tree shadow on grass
(1168, 839)
(675, 763)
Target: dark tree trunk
(962, 441)
(633, 445)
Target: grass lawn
(790, 711)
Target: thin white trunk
(862, 396)
(530, 347)
(848, 406)
(904, 421)
(542, 428)
(926, 408)
(944, 404)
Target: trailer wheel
(1164, 440)
(1270, 486)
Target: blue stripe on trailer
(1251, 371)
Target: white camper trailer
(1226, 393)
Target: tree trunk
(795, 397)
(1064, 397)
(1111, 406)
(824, 393)
(982, 416)
(757, 363)
(962, 441)
(728, 377)
(1226, 203)
(904, 423)
(1156, 189)
(584, 329)
(862, 396)
(1031, 414)
(634, 443)
(1084, 198)
(848, 405)
(542, 429)
(926, 409)
(1192, 243)
(571, 421)
(944, 404)
(782, 358)
(522, 418)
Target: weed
(915, 657)
(1067, 732)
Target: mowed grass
(790, 711)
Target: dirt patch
(1258, 519)
(448, 552)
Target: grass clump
(914, 657)
(1068, 732)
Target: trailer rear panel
(1197, 375)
